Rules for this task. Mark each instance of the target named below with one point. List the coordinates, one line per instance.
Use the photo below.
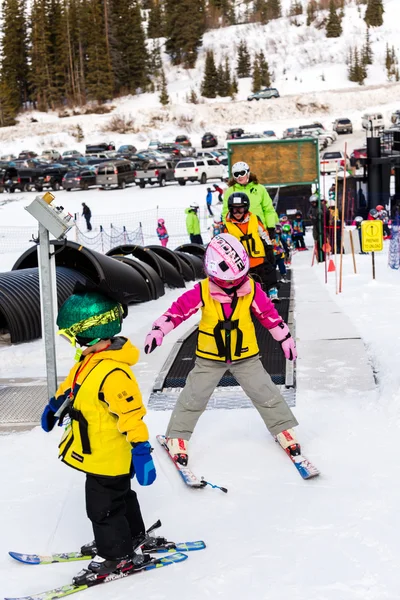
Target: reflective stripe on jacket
(226, 339)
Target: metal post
(373, 265)
(47, 306)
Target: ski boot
(273, 294)
(90, 549)
(284, 279)
(100, 568)
(287, 439)
(178, 450)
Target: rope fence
(109, 231)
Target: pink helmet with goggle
(226, 261)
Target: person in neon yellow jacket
(193, 224)
(243, 180)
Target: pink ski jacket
(190, 302)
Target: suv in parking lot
(209, 140)
(80, 179)
(117, 173)
(329, 161)
(342, 126)
(183, 140)
(198, 170)
(264, 94)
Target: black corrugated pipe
(174, 259)
(196, 249)
(151, 277)
(20, 300)
(194, 261)
(98, 268)
(166, 271)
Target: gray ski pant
(255, 382)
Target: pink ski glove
(153, 339)
(281, 334)
(161, 327)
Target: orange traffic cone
(331, 266)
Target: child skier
(250, 231)
(287, 243)
(226, 340)
(193, 223)
(279, 253)
(162, 232)
(219, 191)
(299, 231)
(217, 227)
(209, 202)
(105, 436)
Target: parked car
(290, 132)
(183, 140)
(102, 147)
(155, 173)
(329, 160)
(248, 135)
(198, 170)
(374, 120)
(311, 126)
(269, 133)
(264, 94)
(117, 173)
(81, 179)
(26, 154)
(209, 140)
(127, 149)
(154, 144)
(342, 126)
(51, 155)
(233, 134)
(73, 153)
(51, 177)
(358, 157)
(74, 160)
(209, 154)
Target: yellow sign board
(372, 236)
(48, 197)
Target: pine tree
(14, 62)
(227, 77)
(256, 77)
(193, 98)
(296, 8)
(357, 72)
(234, 87)
(274, 9)
(243, 60)
(264, 70)
(221, 88)
(391, 63)
(210, 81)
(311, 11)
(261, 11)
(155, 23)
(333, 26)
(366, 53)
(220, 13)
(164, 98)
(40, 71)
(184, 28)
(99, 75)
(374, 13)
(8, 108)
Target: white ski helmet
(194, 205)
(314, 198)
(240, 167)
(226, 261)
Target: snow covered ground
(273, 535)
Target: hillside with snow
(308, 68)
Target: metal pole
(352, 251)
(373, 265)
(47, 309)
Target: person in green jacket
(243, 180)
(193, 224)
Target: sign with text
(372, 236)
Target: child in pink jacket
(226, 340)
(162, 232)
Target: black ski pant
(299, 241)
(195, 238)
(265, 274)
(88, 225)
(114, 511)
(210, 212)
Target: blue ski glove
(143, 465)
(48, 420)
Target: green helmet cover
(286, 228)
(90, 315)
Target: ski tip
(27, 559)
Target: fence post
(141, 232)
(124, 233)
(102, 239)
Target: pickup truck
(155, 173)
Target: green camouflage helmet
(90, 315)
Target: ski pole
(218, 487)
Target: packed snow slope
(309, 70)
(273, 535)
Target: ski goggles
(239, 209)
(237, 174)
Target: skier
(217, 227)
(105, 436)
(226, 340)
(209, 202)
(87, 214)
(250, 231)
(299, 231)
(383, 216)
(280, 253)
(358, 221)
(219, 191)
(287, 242)
(162, 232)
(193, 224)
(243, 180)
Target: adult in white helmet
(193, 223)
(227, 298)
(243, 180)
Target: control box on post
(53, 218)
